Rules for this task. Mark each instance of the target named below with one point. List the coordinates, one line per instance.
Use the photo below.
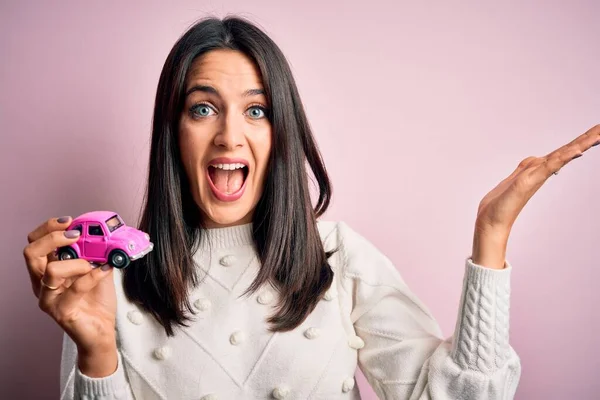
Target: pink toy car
(106, 238)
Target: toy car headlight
(131, 245)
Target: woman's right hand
(84, 303)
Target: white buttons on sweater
(210, 396)
(135, 317)
(227, 261)
(348, 385)
(265, 297)
(237, 338)
(162, 353)
(281, 392)
(355, 342)
(202, 304)
(312, 333)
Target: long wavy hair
(285, 232)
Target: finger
(556, 160)
(56, 274)
(85, 284)
(53, 224)
(559, 159)
(36, 284)
(539, 173)
(523, 165)
(36, 252)
(53, 257)
(578, 145)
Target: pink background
(419, 111)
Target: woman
(246, 295)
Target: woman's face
(225, 137)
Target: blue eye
(257, 112)
(201, 110)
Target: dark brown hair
(284, 226)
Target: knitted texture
(482, 343)
(368, 318)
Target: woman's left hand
(499, 208)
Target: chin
(220, 217)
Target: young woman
(246, 294)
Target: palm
(90, 319)
(501, 205)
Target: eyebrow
(212, 90)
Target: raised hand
(499, 209)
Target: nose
(231, 133)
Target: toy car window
(114, 223)
(78, 228)
(95, 230)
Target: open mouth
(227, 180)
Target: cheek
(189, 156)
(264, 146)
(185, 154)
(266, 152)
(261, 149)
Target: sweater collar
(231, 236)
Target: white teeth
(228, 167)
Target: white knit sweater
(368, 318)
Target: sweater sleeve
(402, 352)
(76, 386)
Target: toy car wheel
(118, 259)
(66, 253)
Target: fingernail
(596, 144)
(62, 220)
(105, 267)
(72, 234)
(577, 156)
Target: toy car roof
(96, 216)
